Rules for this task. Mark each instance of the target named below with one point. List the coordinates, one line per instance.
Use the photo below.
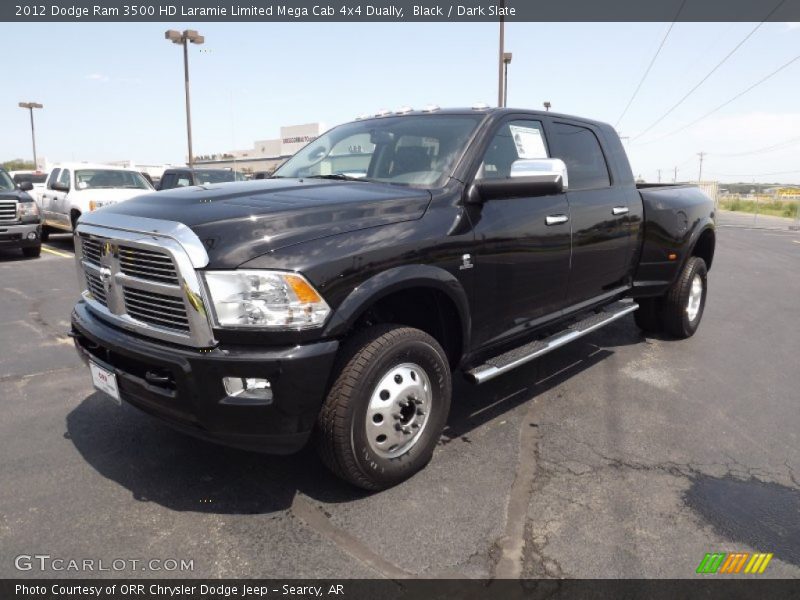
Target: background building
(265, 155)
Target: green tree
(18, 164)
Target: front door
(521, 263)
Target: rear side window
(581, 152)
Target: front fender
(393, 280)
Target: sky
(115, 91)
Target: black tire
(32, 251)
(342, 423)
(45, 233)
(648, 315)
(675, 314)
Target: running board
(519, 356)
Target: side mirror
(59, 187)
(26, 186)
(527, 178)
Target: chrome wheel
(695, 298)
(398, 410)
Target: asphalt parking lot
(618, 456)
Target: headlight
(265, 299)
(28, 209)
(95, 204)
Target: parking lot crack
(313, 517)
(511, 545)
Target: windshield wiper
(339, 176)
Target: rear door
(597, 213)
(521, 262)
(61, 200)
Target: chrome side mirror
(542, 170)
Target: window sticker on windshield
(528, 141)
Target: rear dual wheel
(679, 311)
(385, 412)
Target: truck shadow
(157, 464)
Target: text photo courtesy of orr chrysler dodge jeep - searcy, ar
(335, 301)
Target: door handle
(556, 219)
(619, 210)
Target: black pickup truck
(336, 299)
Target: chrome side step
(519, 356)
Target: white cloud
(792, 25)
(98, 77)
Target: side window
(581, 152)
(64, 178)
(167, 181)
(183, 180)
(53, 178)
(514, 140)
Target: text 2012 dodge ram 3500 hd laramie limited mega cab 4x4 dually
(336, 299)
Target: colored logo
(735, 562)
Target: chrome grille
(92, 248)
(157, 309)
(8, 211)
(95, 285)
(141, 274)
(147, 264)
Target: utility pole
(500, 61)
(700, 172)
(675, 176)
(659, 176)
(176, 37)
(30, 106)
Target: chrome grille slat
(8, 211)
(177, 302)
(96, 288)
(149, 307)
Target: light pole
(506, 62)
(176, 37)
(547, 106)
(500, 57)
(30, 106)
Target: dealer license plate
(105, 381)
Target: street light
(30, 106)
(506, 62)
(176, 37)
(547, 105)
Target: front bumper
(184, 387)
(16, 236)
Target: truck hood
(17, 195)
(240, 221)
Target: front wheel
(387, 407)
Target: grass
(773, 208)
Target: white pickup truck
(73, 189)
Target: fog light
(251, 388)
(32, 235)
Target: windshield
(415, 150)
(32, 177)
(6, 184)
(91, 179)
(218, 176)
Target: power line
(779, 146)
(650, 66)
(727, 102)
(710, 73)
(753, 174)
